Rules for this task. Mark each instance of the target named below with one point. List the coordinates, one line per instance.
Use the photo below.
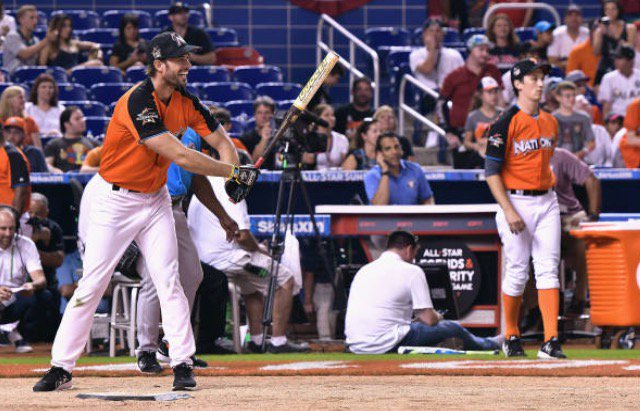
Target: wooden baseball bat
(307, 93)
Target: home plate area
(413, 366)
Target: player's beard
(175, 80)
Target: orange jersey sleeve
(632, 117)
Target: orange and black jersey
(139, 115)
(523, 144)
(14, 173)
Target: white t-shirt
(17, 261)
(563, 43)
(601, 154)
(47, 121)
(448, 61)
(619, 90)
(207, 233)
(383, 296)
(8, 21)
(507, 92)
(339, 149)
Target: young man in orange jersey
(519, 149)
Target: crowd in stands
(594, 93)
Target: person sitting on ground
(19, 257)
(337, 144)
(363, 149)
(384, 297)
(395, 181)
(350, 116)
(13, 132)
(388, 123)
(247, 264)
(67, 153)
(65, 50)
(43, 106)
(129, 50)
(484, 111)
(12, 104)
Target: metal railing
(351, 63)
(404, 108)
(517, 6)
(208, 14)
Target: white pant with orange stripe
(109, 221)
(540, 240)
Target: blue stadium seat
(451, 35)
(135, 74)
(81, 19)
(89, 76)
(40, 32)
(525, 33)
(30, 73)
(237, 125)
(208, 74)
(196, 18)
(111, 18)
(417, 37)
(112, 107)
(72, 92)
(279, 91)
(96, 125)
(89, 108)
(4, 85)
(227, 91)
(193, 90)
(254, 75)
(395, 78)
(43, 19)
(223, 37)
(467, 33)
(107, 93)
(454, 44)
(102, 36)
(150, 33)
(284, 104)
(397, 56)
(386, 36)
(5, 73)
(240, 108)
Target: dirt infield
(339, 392)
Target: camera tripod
(292, 175)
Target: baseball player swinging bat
(238, 191)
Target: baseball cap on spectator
(551, 83)
(168, 45)
(543, 26)
(178, 7)
(624, 52)
(613, 117)
(478, 40)
(573, 8)
(16, 122)
(576, 76)
(488, 83)
(528, 66)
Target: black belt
(115, 187)
(176, 199)
(532, 193)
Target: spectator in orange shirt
(630, 143)
(582, 57)
(12, 104)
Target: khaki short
(250, 283)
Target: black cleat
(513, 347)
(254, 348)
(551, 350)
(289, 347)
(163, 352)
(148, 364)
(183, 378)
(54, 380)
(198, 363)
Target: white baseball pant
(190, 278)
(540, 240)
(109, 221)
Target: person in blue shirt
(179, 183)
(395, 181)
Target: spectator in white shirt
(621, 86)
(43, 106)
(19, 261)
(387, 293)
(7, 23)
(567, 36)
(337, 144)
(432, 63)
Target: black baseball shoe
(513, 347)
(4, 339)
(288, 347)
(551, 350)
(183, 377)
(254, 348)
(54, 380)
(198, 363)
(148, 364)
(163, 352)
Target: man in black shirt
(322, 95)
(349, 117)
(67, 153)
(179, 17)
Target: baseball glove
(127, 264)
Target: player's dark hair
(363, 128)
(382, 136)
(65, 116)
(400, 239)
(127, 19)
(337, 69)
(44, 78)
(222, 115)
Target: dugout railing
(404, 108)
(522, 6)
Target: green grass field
(571, 353)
